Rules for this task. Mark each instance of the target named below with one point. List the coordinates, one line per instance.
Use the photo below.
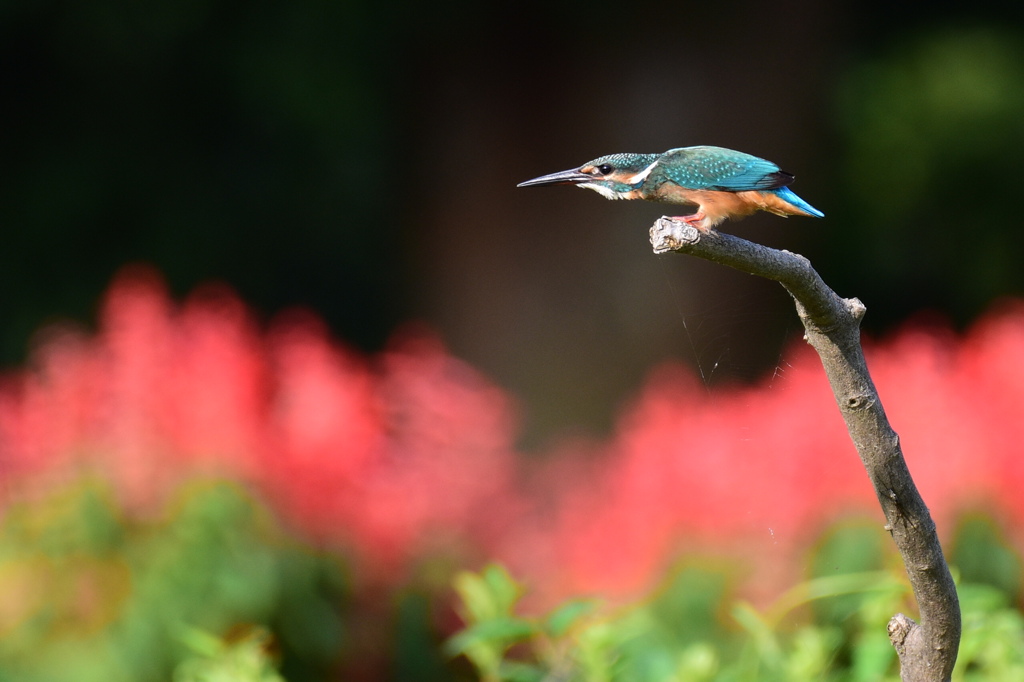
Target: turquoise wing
(717, 168)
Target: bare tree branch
(927, 650)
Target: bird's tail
(801, 206)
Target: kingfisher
(721, 183)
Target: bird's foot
(695, 221)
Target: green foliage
(92, 595)
(984, 556)
(243, 660)
(790, 641)
(210, 591)
(992, 649)
(488, 601)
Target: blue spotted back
(717, 168)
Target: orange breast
(719, 205)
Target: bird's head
(616, 176)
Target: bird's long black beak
(569, 177)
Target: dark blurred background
(360, 159)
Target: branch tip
(668, 234)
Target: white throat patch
(606, 192)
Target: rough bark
(927, 650)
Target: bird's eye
(604, 169)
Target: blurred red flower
(411, 452)
(764, 470)
(384, 459)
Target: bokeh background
(360, 159)
(338, 180)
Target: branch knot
(858, 402)
(856, 307)
(899, 629)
